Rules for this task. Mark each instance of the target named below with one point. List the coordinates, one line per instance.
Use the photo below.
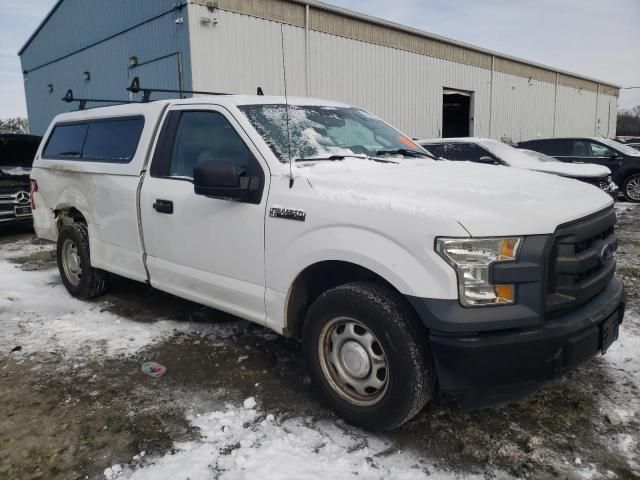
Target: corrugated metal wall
(99, 37)
(241, 52)
(236, 47)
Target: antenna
(286, 104)
(146, 92)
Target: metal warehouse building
(427, 85)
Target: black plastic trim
(493, 368)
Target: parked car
(16, 156)
(621, 159)
(486, 150)
(628, 139)
(634, 145)
(318, 220)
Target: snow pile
(15, 171)
(38, 314)
(241, 443)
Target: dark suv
(621, 159)
(16, 157)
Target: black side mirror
(219, 179)
(488, 160)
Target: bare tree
(14, 125)
(629, 122)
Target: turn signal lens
(508, 249)
(504, 293)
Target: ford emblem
(607, 253)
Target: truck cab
(399, 273)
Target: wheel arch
(318, 278)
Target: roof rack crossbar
(146, 92)
(69, 98)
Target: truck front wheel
(74, 262)
(367, 355)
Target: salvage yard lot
(236, 401)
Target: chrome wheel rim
(633, 188)
(71, 263)
(353, 361)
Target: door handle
(163, 206)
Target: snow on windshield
(321, 131)
(541, 157)
(512, 156)
(621, 147)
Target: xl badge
(607, 253)
(288, 213)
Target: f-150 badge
(288, 213)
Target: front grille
(602, 183)
(578, 270)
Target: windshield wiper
(406, 152)
(334, 158)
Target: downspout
(595, 123)
(555, 104)
(493, 66)
(307, 46)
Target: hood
(574, 170)
(486, 200)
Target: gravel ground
(236, 402)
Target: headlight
(471, 258)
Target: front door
(588, 151)
(204, 249)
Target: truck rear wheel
(367, 356)
(74, 262)
(631, 188)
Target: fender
(417, 275)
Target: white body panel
(384, 217)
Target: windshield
(621, 147)
(541, 157)
(16, 151)
(321, 132)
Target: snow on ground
(242, 443)
(39, 315)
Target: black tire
(92, 282)
(635, 178)
(411, 374)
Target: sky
(589, 37)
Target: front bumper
(612, 189)
(492, 368)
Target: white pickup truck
(401, 274)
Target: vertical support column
(307, 46)
(555, 105)
(493, 67)
(595, 123)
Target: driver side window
(598, 150)
(205, 136)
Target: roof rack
(146, 92)
(69, 98)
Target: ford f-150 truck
(400, 274)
